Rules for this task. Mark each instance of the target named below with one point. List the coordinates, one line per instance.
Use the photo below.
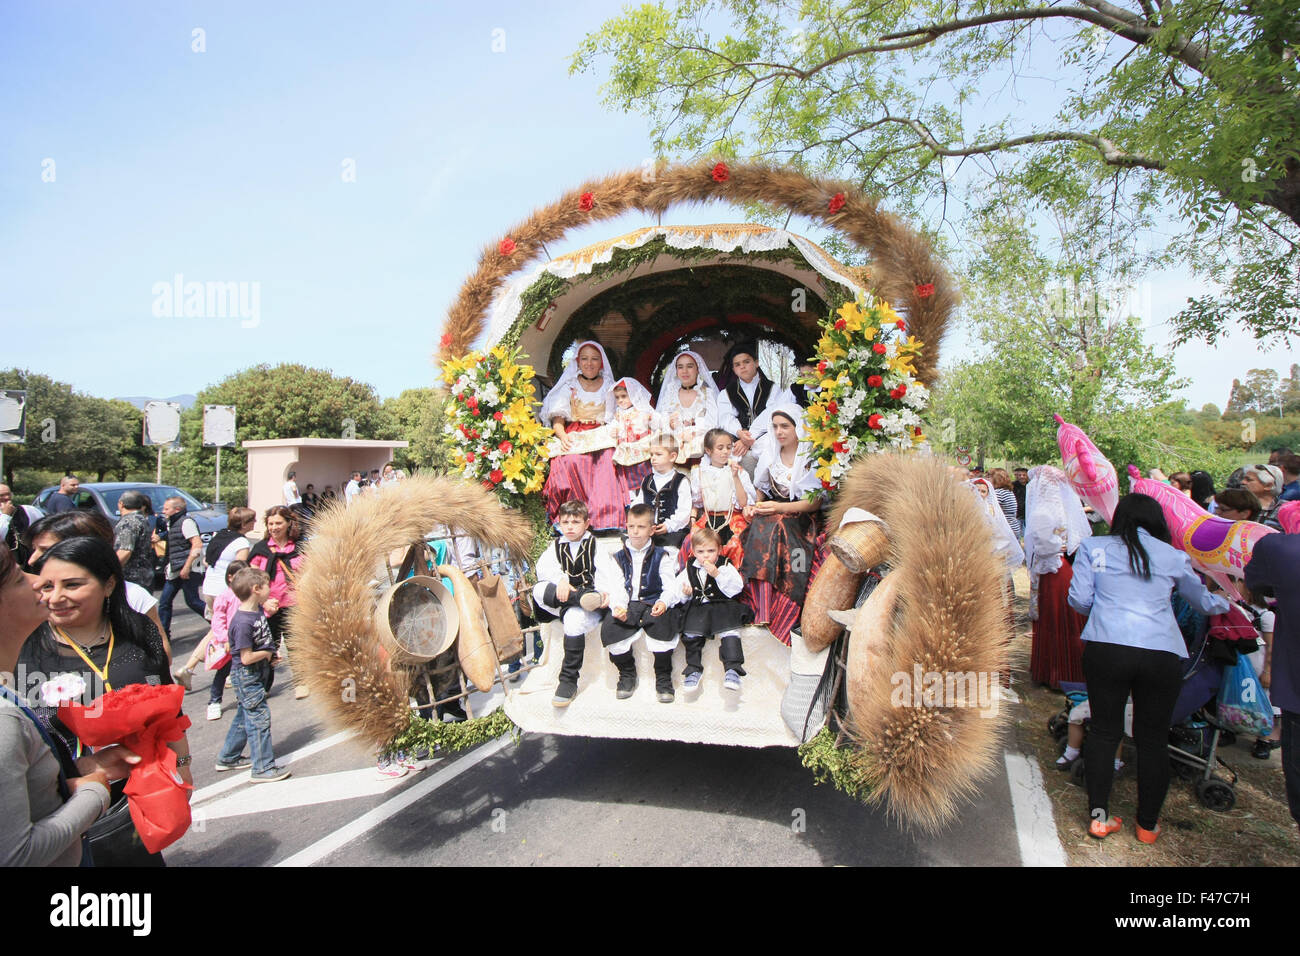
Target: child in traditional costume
(688, 404)
(667, 492)
(711, 585)
(720, 490)
(575, 583)
(582, 452)
(781, 540)
(743, 406)
(635, 422)
(649, 582)
(1055, 527)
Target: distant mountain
(185, 401)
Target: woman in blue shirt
(1132, 645)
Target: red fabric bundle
(144, 719)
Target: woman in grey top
(43, 812)
(133, 538)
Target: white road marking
(300, 792)
(236, 778)
(368, 821)
(1035, 825)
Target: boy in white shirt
(649, 582)
(711, 584)
(667, 492)
(575, 582)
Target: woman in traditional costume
(1055, 527)
(582, 454)
(781, 539)
(1004, 542)
(688, 404)
(635, 422)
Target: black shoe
(564, 694)
(626, 686)
(1263, 749)
(666, 696)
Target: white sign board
(218, 426)
(13, 416)
(162, 423)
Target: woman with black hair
(1203, 490)
(1132, 646)
(93, 633)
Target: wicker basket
(834, 589)
(417, 620)
(861, 545)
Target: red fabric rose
(498, 416)
(925, 290)
(840, 325)
(496, 476)
(586, 201)
(721, 173)
(507, 246)
(143, 718)
(833, 407)
(446, 339)
(873, 421)
(878, 348)
(875, 381)
(836, 203)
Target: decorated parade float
(885, 685)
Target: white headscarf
(669, 399)
(1054, 520)
(803, 476)
(1004, 540)
(558, 399)
(638, 393)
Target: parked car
(102, 496)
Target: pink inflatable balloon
(1218, 547)
(1091, 474)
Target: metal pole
(158, 480)
(218, 490)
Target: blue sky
(227, 166)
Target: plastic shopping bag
(1243, 703)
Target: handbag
(114, 840)
(217, 654)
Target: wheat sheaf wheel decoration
(904, 268)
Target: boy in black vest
(744, 404)
(649, 573)
(575, 582)
(667, 492)
(711, 584)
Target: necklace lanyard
(102, 675)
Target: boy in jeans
(252, 652)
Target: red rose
(878, 348)
(827, 485)
(721, 173)
(507, 246)
(925, 290)
(895, 393)
(875, 381)
(445, 340)
(505, 447)
(901, 324)
(498, 416)
(901, 390)
(840, 325)
(916, 430)
(873, 421)
(469, 457)
(821, 366)
(496, 476)
(586, 201)
(833, 407)
(836, 203)
(839, 447)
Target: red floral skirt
(770, 586)
(730, 530)
(1057, 651)
(588, 478)
(630, 478)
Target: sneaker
(564, 694)
(243, 763)
(214, 711)
(272, 775)
(591, 601)
(626, 686)
(1100, 829)
(692, 681)
(301, 691)
(1148, 836)
(731, 681)
(391, 770)
(666, 696)
(183, 677)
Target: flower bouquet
(492, 424)
(864, 396)
(143, 718)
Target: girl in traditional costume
(720, 491)
(582, 453)
(635, 421)
(688, 404)
(781, 539)
(1055, 527)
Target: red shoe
(1100, 829)
(1148, 836)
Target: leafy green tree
(416, 416)
(1182, 105)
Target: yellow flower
(850, 312)
(499, 354)
(513, 468)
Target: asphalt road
(546, 800)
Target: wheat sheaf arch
(904, 268)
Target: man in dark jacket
(65, 499)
